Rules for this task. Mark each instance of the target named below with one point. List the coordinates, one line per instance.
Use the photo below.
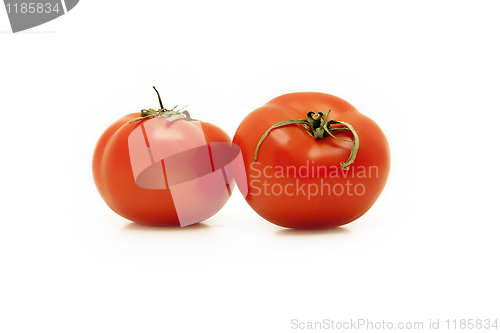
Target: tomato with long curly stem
(312, 160)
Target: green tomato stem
(170, 115)
(317, 125)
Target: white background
(426, 71)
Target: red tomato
(303, 182)
(160, 172)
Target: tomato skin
(283, 203)
(115, 182)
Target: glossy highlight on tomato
(308, 177)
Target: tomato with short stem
(131, 168)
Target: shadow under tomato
(144, 228)
(309, 232)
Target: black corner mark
(26, 14)
(70, 4)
